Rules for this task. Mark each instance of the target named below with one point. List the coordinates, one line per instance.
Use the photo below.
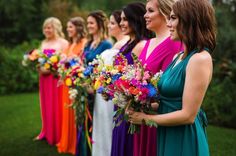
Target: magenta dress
(51, 109)
(145, 142)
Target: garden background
(21, 30)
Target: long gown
(50, 108)
(122, 141)
(67, 143)
(159, 59)
(103, 116)
(50, 104)
(83, 147)
(183, 140)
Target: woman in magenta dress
(50, 102)
(156, 55)
(132, 24)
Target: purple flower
(100, 89)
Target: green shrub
(14, 77)
(220, 100)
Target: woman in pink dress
(50, 102)
(156, 55)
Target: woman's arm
(198, 76)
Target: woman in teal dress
(181, 122)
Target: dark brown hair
(116, 14)
(79, 23)
(197, 24)
(134, 13)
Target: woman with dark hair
(156, 55)
(132, 24)
(182, 123)
(77, 36)
(103, 110)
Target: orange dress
(67, 143)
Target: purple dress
(162, 55)
(122, 141)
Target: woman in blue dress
(183, 85)
(97, 43)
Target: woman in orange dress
(76, 33)
(49, 91)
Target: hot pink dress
(145, 142)
(51, 108)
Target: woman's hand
(43, 71)
(155, 105)
(90, 90)
(136, 117)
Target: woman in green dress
(181, 122)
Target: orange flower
(134, 91)
(34, 55)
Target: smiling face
(126, 30)
(92, 25)
(172, 25)
(153, 17)
(71, 29)
(48, 31)
(113, 27)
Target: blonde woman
(49, 92)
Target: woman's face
(48, 31)
(71, 29)
(92, 25)
(172, 25)
(153, 16)
(113, 27)
(124, 24)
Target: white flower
(73, 93)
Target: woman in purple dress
(156, 55)
(132, 24)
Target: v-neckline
(154, 49)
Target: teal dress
(183, 140)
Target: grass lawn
(20, 123)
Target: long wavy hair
(134, 13)
(197, 24)
(102, 22)
(79, 24)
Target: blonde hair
(164, 6)
(56, 24)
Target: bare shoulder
(63, 41)
(201, 58)
(120, 43)
(139, 47)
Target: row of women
(176, 37)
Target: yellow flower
(108, 81)
(54, 59)
(97, 84)
(46, 65)
(80, 74)
(68, 82)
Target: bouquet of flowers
(31, 58)
(104, 75)
(132, 87)
(47, 58)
